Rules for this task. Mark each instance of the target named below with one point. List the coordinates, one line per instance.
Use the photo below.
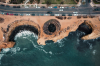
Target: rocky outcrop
(6, 44)
(1, 20)
(48, 28)
(4, 30)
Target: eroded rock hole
(21, 28)
(52, 28)
(86, 28)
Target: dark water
(70, 51)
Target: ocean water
(69, 51)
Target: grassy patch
(60, 1)
(43, 3)
(31, 1)
(22, 5)
(28, 5)
(70, 2)
(31, 5)
(96, 2)
(17, 1)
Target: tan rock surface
(6, 44)
(67, 25)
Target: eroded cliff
(47, 27)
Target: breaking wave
(94, 51)
(25, 33)
(50, 49)
(14, 50)
(41, 47)
(3, 52)
(60, 42)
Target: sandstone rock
(6, 44)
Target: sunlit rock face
(6, 44)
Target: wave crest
(25, 33)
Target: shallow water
(70, 51)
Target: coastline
(67, 26)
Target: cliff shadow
(86, 28)
(21, 28)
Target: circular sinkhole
(52, 28)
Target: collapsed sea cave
(21, 28)
(86, 28)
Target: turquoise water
(70, 51)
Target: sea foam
(60, 42)
(3, 52)
(25, 33)
(94, 51)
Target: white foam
(59, 53)
(3, 38)
(90, 45)
(81, 33)
(1, 55)
(60, 42)
(94, 51)
(40, 47)
(24, 37)
(25, 33)
(17, 48)
(32, 43)
(14, 50)
(24, 48)
(5, 50)
(78, 41)
(44, 51)
(50, 52)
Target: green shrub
(43, 3)
(22, 5)
(31, 5)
